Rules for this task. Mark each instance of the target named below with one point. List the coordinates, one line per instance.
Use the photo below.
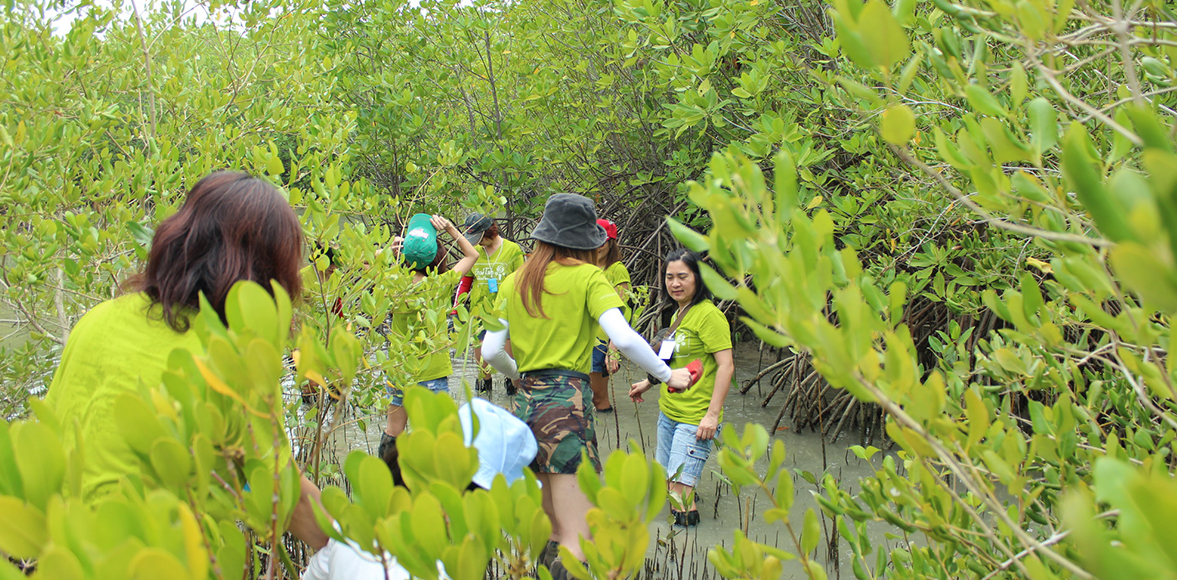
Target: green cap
(420, 247)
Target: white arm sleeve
(631, 344)
(494, 352)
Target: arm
(469, 253)
(494, 352)
(611, 363)
(723, 382)
(635, 349)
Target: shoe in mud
(686, 519)
(511, 390)
(484, 385)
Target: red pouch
(696, 370)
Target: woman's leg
(397, 419)
(570, 517)
(549, 506)
(688, 456)
(599, 381)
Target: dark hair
(691, 259)
(232, 227)
(492, 232)
(439, 264)
(531, 276)
(612, 253)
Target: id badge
(666, 351)
(493, 284)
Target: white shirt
(348, 562)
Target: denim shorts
(600, 352)
(678, 448)
(441, 385)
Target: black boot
(511, 390)
(484, 385)
(559, 572)
(386, 442)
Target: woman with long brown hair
(551, 310)
(232, 227)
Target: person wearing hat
(498, 257)
(609, 260)
(552, 307)
(505, 446)
(425, 255)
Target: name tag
(493, 284)
(666, 351)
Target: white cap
(505, 444)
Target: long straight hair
(232, 227)
(531, 276)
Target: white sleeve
(494, 352)
(632, 345)
(319, 567)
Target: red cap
(610, 228)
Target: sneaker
(386, 442)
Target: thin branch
(990, 218)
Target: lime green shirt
(410, 323)
(703, 332)
(116, 346)
(496, 266)
(617, 275)
(574, 298)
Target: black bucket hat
(475, 227)
(570, 221)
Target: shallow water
(676, 552)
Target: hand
(636, 390)
(707, 427)
(443, 225)
(397, 243)
(612, 362)
(680, 380)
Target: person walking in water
(498, 257)
(425, 255)
(688, 421)
(551, 309)
(605, 361)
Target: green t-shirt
(617, 275)
(496, 266)
(703, 332)
(409, 320)
(574, 298)
(116, 346)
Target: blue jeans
(599, 353)
(679, 449)
(441, 385)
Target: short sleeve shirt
(115, 347)
(412, 326)
(574, 298)
(703, 332)
(496, 266)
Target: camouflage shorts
(554, 407)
